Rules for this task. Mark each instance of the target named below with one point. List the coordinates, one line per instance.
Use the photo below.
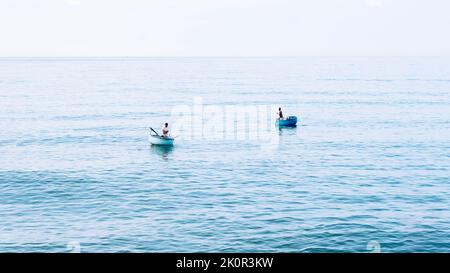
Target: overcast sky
(224, 27)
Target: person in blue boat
(280, 114)
(290, 121)
(165, 130)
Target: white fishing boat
(160, 140)
(156, 139)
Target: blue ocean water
(368, 165)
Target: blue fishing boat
(290, 121)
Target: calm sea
(367, 168)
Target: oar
(154, 131)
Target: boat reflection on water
(161, 150)
(288, 135)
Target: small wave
(355, 79)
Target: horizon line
(228, 56)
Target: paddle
(154, 131)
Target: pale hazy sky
(224, 27)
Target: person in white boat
(280, 114)
(165, 130)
